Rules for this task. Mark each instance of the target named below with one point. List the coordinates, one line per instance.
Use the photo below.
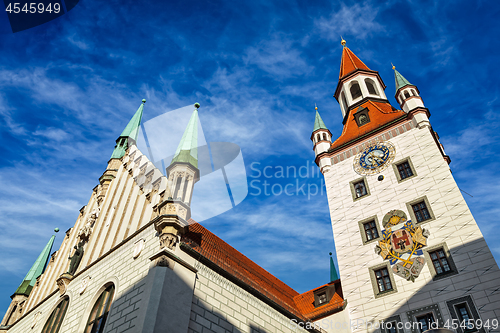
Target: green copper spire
(187, 151)
(36, 270)
(129, 133)
(400, 80)
(333, 271)
(318, 122)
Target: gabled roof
(350, 62)
(380, 113)
(228, 259)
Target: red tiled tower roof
(380, 113)
(350, 62)
(237, 265)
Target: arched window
(370, 85)
(407, 95)
(413, 92)
(344, 101)
(324, 136)
(177, 187)
(56, 317)
(318, 137)
(355, 91)
(99, 312)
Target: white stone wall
(221, 306)
(454, 225)
(120, 268)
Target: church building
(410, 255)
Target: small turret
(407, 94)
(322, 139)
(129, 134)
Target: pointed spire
(350, 62)
(187, 151)
(400, 80)
(333, 271)
(129, 133)
(318, 122)
(37, 269)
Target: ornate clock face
(374, 158)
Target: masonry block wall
(221, 306)
(453, 225)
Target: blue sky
(69, 87)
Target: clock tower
(411, 256)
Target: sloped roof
(245, 270)
(380, 113)
(400, 80)
(318, 122)
(305, 302)
(350, 62)
(187, 151)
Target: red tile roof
(305, 302)
(350, 62)
(237, 265)
(380, 113)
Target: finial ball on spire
(144, 100)
(343, 42)
(197, 105)
(330, 253)
(56, 229)
(393, 67)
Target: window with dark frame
(55, 320)
(421, 212)
(391, 327)
(404, 170)
(464, 317)
(440, 261)
(360, 189)
(371, 231)
(322, 298)
(371, 87)
(425, 321)
(355, 91)
(383, 280)
(99, 313)
(407, 95)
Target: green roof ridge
(187, 151)
(131, 131)
(400, 80)
(318, 122)
(36, 270)
(333, 272)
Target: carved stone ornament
(162, 261)
(36, 318)
(85, 282)
(168, 240)
(63, 281)
(174, 209)
(85, 232)
(138, 247)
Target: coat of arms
(401, 244)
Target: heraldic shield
(402, 244)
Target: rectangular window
(383, 280)
(370, 230)
(424, 321)
(391, 327)
(464, 317)
(360, 189)
(421, 212)
(440, 261)
(404, 170)
(322, 298)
